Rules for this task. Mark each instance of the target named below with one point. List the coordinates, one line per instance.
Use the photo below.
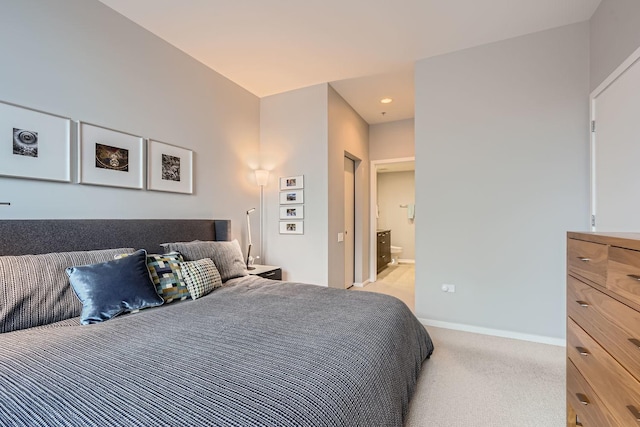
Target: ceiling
(365, 48)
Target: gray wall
(307, 132)
(348, 136)
(614, 35)
(501, 174)
(294, 134)
(80, 59)
(392, 140)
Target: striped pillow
(227, 256)
(35, 290)
(201, 277)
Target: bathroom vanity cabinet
(384, 249)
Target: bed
(253, 352)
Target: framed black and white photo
(291, 227)
(292, 182)
(292, 212)
(169, 168)
(34, 144)
(110, 157)
(291, 197)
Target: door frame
(373, 209)
(346, 237)
(621, 69)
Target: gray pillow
(227, 256)
(35, 290)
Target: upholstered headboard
(20, 237)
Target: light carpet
(480, 380)
(485, 381)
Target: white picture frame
(109, 157)
(292, 197)
(291, 212)
(39, 146)
(169, 168)
(292, 182)
(291, 227)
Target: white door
(349, 221)
(616, 150)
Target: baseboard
(495, 332)
(406, 261)
(361, 284)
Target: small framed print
(110, 157)
(292, 182)
(292, 212)
(34, 144)
(169, 168)
(291, 197)
(291, 227)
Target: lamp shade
(262, 176)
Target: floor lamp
(262, 177)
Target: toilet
(395, 254)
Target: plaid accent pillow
(167, 276)
(201, 277)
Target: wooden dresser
(603, 329)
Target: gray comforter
(256, 353)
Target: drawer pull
(635, 342)
(583, 259)
(633, 276)
(273, 273)
(583, 303)
(634, 411)
(582, 399)
(583, 351)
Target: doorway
(393, 215)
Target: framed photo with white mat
(169, 168)
(34, 144)
(110, 157)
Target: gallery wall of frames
(41, 147)
(292, 205)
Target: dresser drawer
(617, 389)
(612, 324)
(585, 402)
(588, 260)
(624, 273)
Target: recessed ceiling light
(386, 100)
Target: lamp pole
(249, 266)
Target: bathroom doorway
(393, 219)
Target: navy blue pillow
(113, 287)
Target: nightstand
(267, 271)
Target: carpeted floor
(484, 381)
(477, 380)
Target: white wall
(80, 59)
(395, 189)
(614, 35)
(348, 135)
(293, 134)
(501, 175)
(392, 140)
